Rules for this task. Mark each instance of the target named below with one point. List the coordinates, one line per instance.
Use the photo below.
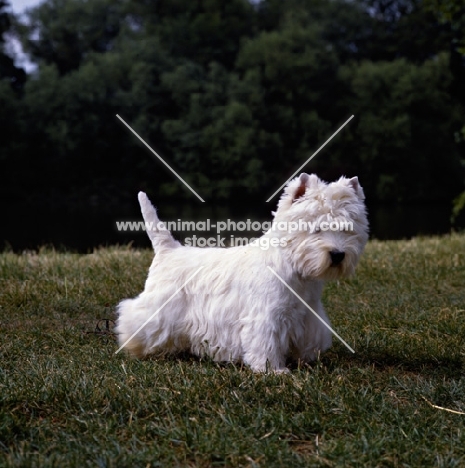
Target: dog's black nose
(336, 257)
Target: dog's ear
(296, 189)
(305, 181)
(355, 184)
(301, 187)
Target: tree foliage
(236, 95)
(452, 12)
(8, 70)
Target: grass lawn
(66, 399)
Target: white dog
(231, 303)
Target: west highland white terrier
(240, 303)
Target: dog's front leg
(265, 346)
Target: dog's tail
(156, 230)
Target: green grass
(66, 399)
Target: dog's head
(325, 225)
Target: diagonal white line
(162, 160)
(155, 313)
(313, 155)
(309, 308)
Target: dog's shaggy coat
(235, 308)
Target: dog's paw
(268, 370)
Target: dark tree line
(235, 95)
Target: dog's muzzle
(336, 257)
